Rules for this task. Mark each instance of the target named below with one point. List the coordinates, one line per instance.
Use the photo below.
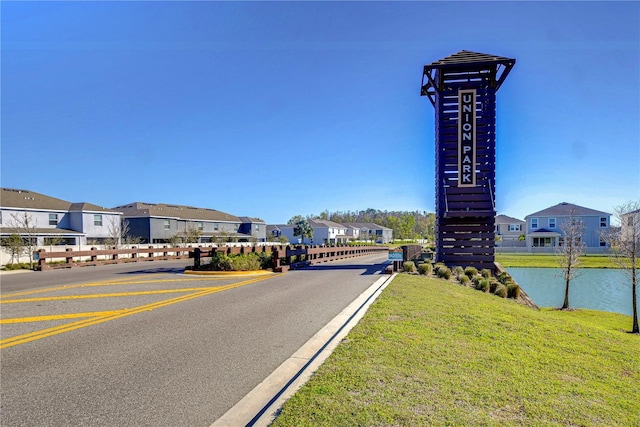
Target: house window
(97, 220)
(200, 226)
(257, 227)
(603, 222)
(603, 242)
(215, 226)
(515, 227)
(496, 229)
(552, 223)
(534, 223)
(53, 219)
(167, 224)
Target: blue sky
(272, 109)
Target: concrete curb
(260, 407)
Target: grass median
(430, 352)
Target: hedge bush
(239, 262)
(425, 268)
(486, 273)
(444, 273)
(483, 285)
(471, 272)
(501, 291)
(513, 291)
(464, 280)
(409, 267)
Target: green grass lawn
(551, 261)
(430, 352)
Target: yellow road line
(90, 296)
(105, 283)
(59, 317)
(32, 336)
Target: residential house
(164, 223)
(324, 233)
(255, 227)
(370, 231)
(274, 232)
(509, 231)
(327, 232)
(544, 228)
(55, 221)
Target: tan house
(510, 232)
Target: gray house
(162, 223)
(508, 232)
(55, 221)
(544, 228)
(255, 227)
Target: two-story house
(509, 231)
(162, 223)
(544, 228)
(324, 233)
(371, 232)
(54, 221)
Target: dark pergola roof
(465, 57)
(465, 60)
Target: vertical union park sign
(467, 138)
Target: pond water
(594, 288)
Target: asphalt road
(156, 348)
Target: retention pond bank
(594, 288)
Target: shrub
(424, 268)
(483, 285)
(438, 266)
(486, 273)
(19, 266)
(240, 262)
(503, 278)
(513, 291)
(501, 291)
(476, 280)
(464, 280)
(471, 272)
(444, 273)
(458, 271)
(409, 267)
(493, 284)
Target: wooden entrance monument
(462, 88)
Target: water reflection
(594, 288)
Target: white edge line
(247, 408)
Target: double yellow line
(100, 317)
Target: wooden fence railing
(291, 257)
(284, 257)
(72, 258)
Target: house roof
(324, 223)
(567, 209)
(141, 209)
(369, 225)
(504, 219)
(26, 199)
(246, 219)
